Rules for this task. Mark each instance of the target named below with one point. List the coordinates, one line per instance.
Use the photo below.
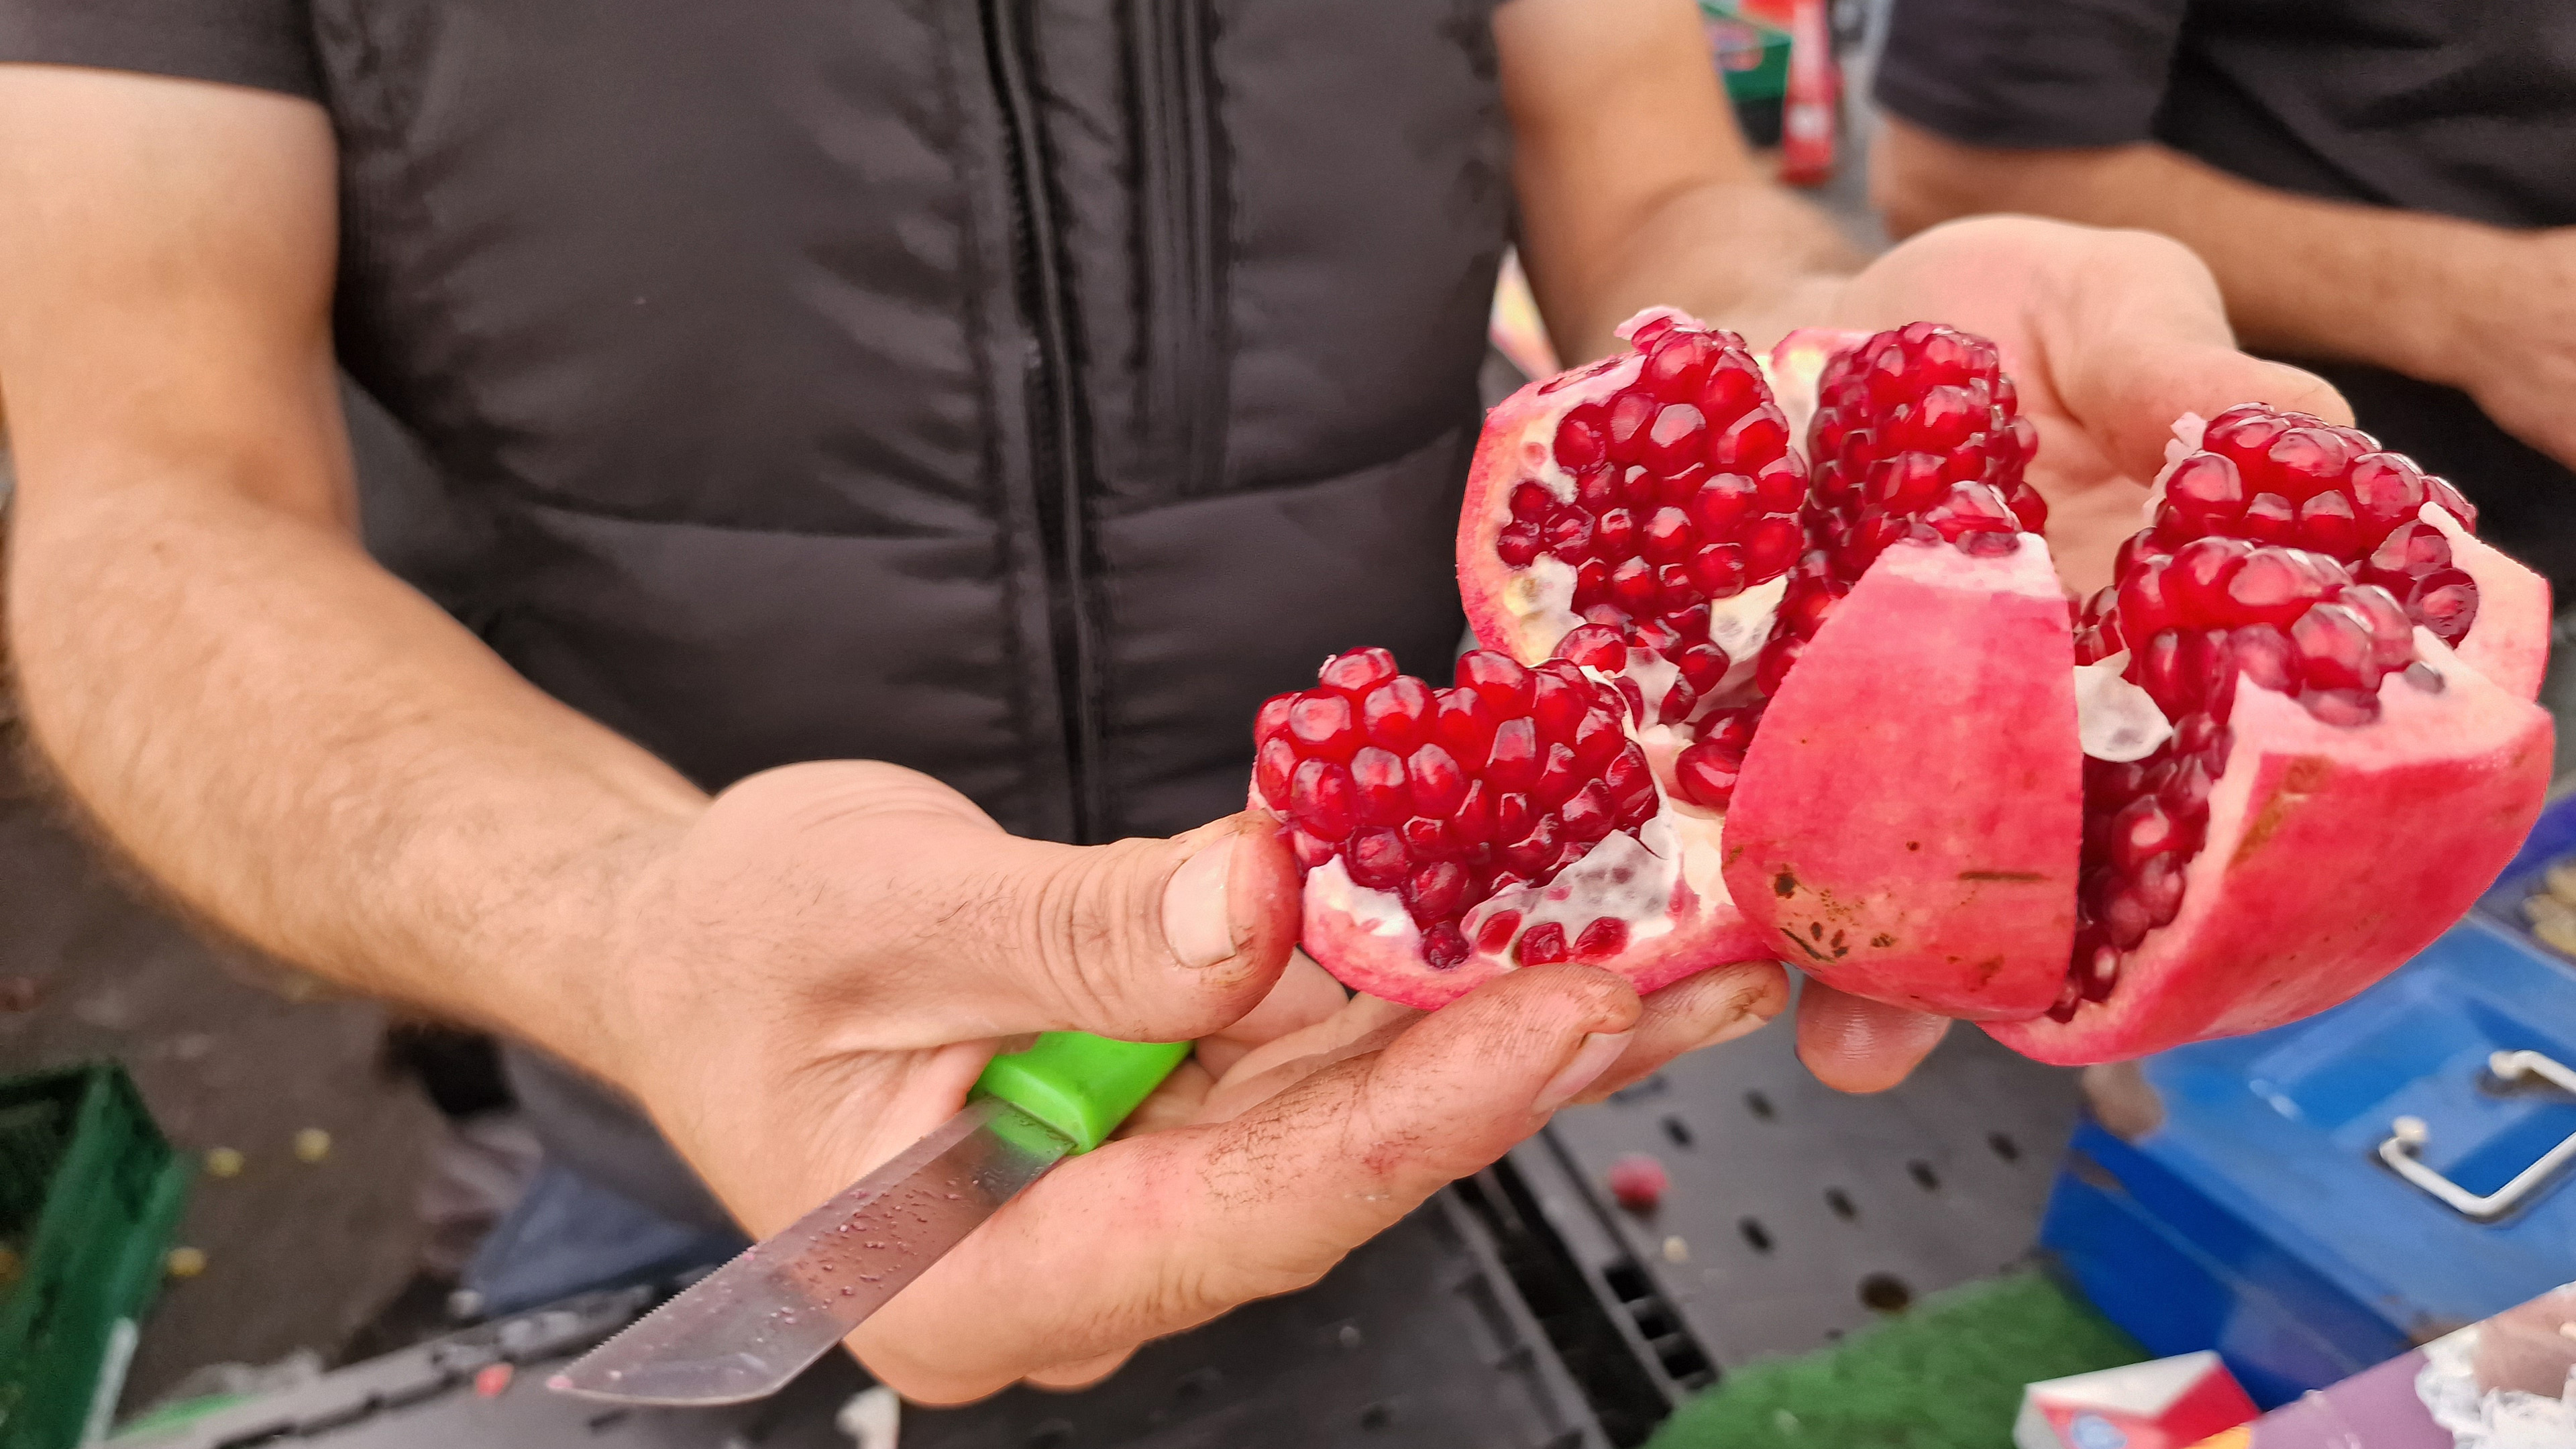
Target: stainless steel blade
(745, 1330)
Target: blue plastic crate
(2260, 1217)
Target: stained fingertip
(1853, 1044)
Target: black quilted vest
(1016, 391)
(1019, 390)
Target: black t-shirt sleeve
(267, 44)
(2030, 73)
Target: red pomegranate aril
(1721, 503)
(1542, 945)
(1679, 364)
(1604, 938)
(1512, 763)
(1531, 502)
(1397, 714)
(1532, 854)
(2439, 490)
(2273, 586)
(1581, 437)
(1323, 727)
(2140, 830)
(1705, 774)
(2270, 518)
(1436, 892)
(1614, 534)
(1444, 946)
(1473, 821)
(2350, 708)
(1463, 721)
(1630, 780)
(2196, 581)
(1320, 798)
(2411, 548)
(1667, 537)
(1771, 544)
(2392, 634)
(1597, 489)
(1703, 665)
(1430, 839)
(1438, 783)
(2206, 490)
(1630, 414)
(1677, 439)
(1274, 766)
(1520, 545)
(1376, 858)
(1557, 706)
(2446, 601)
(1356, 673)
(2334, 648)
(1310, 849)
(1496, 676)
(1513, 816)
(2386, 489)
(1588, 813)
(1718, 569)
(1377, 776)
(2145, 606)
(1568, 536)
(2304, 461)
(1558, 776)
(2327, 524)
(1752, 440)
(1597, 741)
(1273, 716)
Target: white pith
(2115, 719)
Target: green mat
(1946, 1375)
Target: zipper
(1186, 382)
(1056, 468)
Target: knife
(744, 1331)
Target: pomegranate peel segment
(2293, 906)
(1922, 854)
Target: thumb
(2148, 387)
(2142, 337)
(1145, 940)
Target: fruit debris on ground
(1739, 701)
(1638, 1181)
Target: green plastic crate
(90, 1192)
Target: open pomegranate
(1731, 707)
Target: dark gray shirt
(2465, 110)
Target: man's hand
(2109, 335)
(817, 969)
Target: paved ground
(297, 1255)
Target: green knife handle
(1079, 1084)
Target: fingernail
(1195, 919)
(1599, 1050)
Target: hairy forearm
(316, 759)
(2303, 277)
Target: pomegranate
(2347, 674)
(1733, 708)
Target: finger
(1155, 1234)
(1305, 995)
(1854, 1044)
(2142, 338)
(1706, 1010)
(1067, 1377)
(1366, 1024)
(1145, 940)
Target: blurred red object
(1808, 114)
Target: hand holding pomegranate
(2109, 335)
(820, 965)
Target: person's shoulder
(263, 44)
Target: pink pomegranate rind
(1907, 822)
(2333, 855)
(2510, 642)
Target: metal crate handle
(2407, 1136)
